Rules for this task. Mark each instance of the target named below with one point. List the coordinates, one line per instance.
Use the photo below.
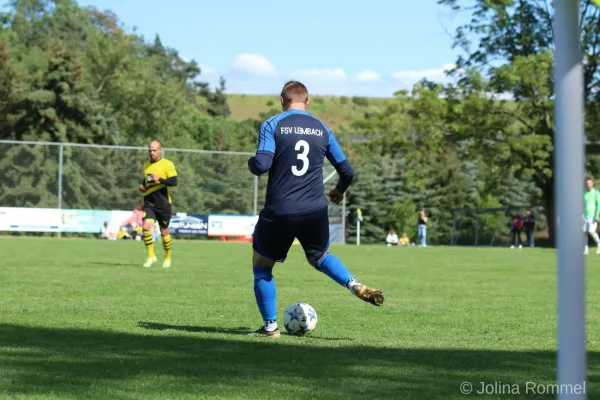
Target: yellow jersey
(157, 192)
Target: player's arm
(261, 162)
(171, 179)
(338, 159)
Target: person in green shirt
(591, 211)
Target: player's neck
(157, 160)
(296, 106)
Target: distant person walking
(591, 201)
(422, 229)
(517, 226)
(529, 226)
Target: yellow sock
(148, 241)
(167, 243)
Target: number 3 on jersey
(303, 148)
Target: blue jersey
(292, 146)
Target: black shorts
(160, 214)
(273, 236)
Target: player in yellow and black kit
(159, 176)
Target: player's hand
(335, 195)
(155, 178)
(142, 188)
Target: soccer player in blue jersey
(292, 147)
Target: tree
(110, 51)
(511, 43)
(216, 101)
(9, 85)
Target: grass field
(82, 319)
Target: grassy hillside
(336, 112)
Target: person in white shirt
(106, 233)
(392, 238)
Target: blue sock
(265, 293)
(334, 268)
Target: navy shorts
(274, 235)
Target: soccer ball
(300, 319)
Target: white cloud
(207, 70)
(434, 74)
(254, 64)
(323, 73)
(255, 74)
(368, 76)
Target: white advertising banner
(91, 221)
(4, 224)
(231, 225)
(117, 218)
(30, 219)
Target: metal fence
(100, 177)
(81, 176)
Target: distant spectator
(133, 224)
(422, 229)
(392, 238)
(136, 217)
(106, 233)
(404, 241)
(123, 234)
(517, 226)
(529, 226)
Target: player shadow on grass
(188, 328)
(115, 264)
(82, 363)
(211, 329)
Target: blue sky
(352, 48)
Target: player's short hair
(294, 92)
(589, 178)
